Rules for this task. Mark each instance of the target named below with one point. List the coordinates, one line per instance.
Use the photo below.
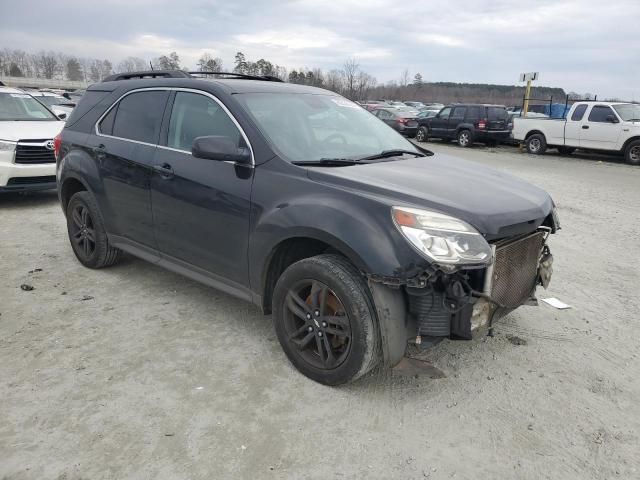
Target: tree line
(351, 80)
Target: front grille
(516, 269)
(31, 180)
(35, 151)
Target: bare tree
(350, 72)
(207, 63)
(167, 62)
(131, 64)
(404, 78)
(48, 63)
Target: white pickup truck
(605, 126)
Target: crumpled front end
(456, 304)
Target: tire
(347, 308)
(536, 144)
(422, 135)
(632, 153)
(566, 150)
(465, 138)
(86, 232)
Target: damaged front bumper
(457, 304)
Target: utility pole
(527, 77)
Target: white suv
(27, 130)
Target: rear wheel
(87, 234)
(422, 135)
(324, 319)
(566, 150)
(464, 138)
(536, 144)
(632, 153)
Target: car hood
(495, 203)
(15, 131)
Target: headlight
(444, 239)
(6, 146)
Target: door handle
(164, 170)
(585, 127)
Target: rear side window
(196, 115)
(458, 113)
(497, 113)
(139, 116)
(106, 125)
(578, 113)
(473, 113)
(599, 113)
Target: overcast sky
(583, 45)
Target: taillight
(482, 124)
(57, 144)
(403, 120)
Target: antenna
(151, 64)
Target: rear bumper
(492, 135)
(408, 130)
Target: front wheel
(536, 144)
(632, 153)
(324, 319)
(422, 135)
(464, 138)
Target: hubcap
(82, 231)
(317, 325)
(634, 154)
(534, 145)
(463, 139)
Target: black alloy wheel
(317, 325)
(82, 232)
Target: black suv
(300, 201)
(467, 123)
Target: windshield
(308, 127)
(628, 111)
(23, 107)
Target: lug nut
(319, 334)
(310, 329)
(317, 313)
(324, 324)
(308, 316)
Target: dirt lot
(133, 372)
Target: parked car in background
(58, 104)
(355, 239)
(467, 123)
(416, 105)
(373, 104)
(27, 130)
(611, 127)
(395, 103)
(405, 122)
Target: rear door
(601, 130)
(573, 127)
(456, 118)
(123, 148)
(440, 123)
(497, 118)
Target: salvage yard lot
(135, 372)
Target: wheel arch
(629, 141)
(535, 132)
(69, 186)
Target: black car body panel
(487, 123)
(228, 224)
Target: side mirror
(612, 119)
(62, 116)
(216, 147)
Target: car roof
(231, 86)
(10, 90)
(43, 94)
(475, 105)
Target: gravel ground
(133, 372)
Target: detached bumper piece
(453, 305)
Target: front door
(123, 150)
(601, 130)
(201, 207)
(440, 123)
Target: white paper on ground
(554, 302)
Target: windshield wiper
(330, 162)
(392, 153)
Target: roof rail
(147, 74)
(264, 78)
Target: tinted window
(473, 113)
(497, 113)
(458, 112)
(196, 115)
(106, 125)
(139, 116)
(445, 112)
(578, 113)
(599, 113)
(384, 115)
